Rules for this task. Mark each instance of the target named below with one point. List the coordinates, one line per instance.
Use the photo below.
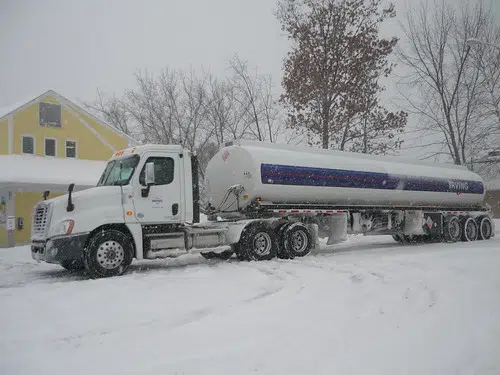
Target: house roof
(39, 173)
(493, 185)
(6, 111)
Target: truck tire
(258, 242)
(108, 253)
(73, 265)
(296, 240)
(470, 230)
(485, 228)
(452, 230)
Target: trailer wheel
(73, 265)
(258, 241)
(452, 229)
(297, 240)
(470, 229)
(485, 228)
(108, 253)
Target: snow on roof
(5, 110)
(27, 171)
(493, 185)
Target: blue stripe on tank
(275, 174)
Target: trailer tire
(452, 230)
(73, 265)
(257, 242)
(108, 253)
(470, 230)
(485, 228)
(297, 240)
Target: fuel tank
(284, 174)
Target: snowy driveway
(370, 307)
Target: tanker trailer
(333, 193)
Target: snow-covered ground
(371, 306)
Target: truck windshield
(119, 171)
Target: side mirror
(149, 178)
(150, 174)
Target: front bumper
(59, 249)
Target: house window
(50, 147)
(49, 114)
(71, 149)
(28, 144)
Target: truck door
(162, 204)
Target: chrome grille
(40, 220)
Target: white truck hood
(91, 207)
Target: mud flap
(338, 229)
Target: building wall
(24, 203)
(118, 141)
(4, 197)
(88, 145)
(4, 137)
(493, 199)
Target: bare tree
(446, 90)
(254, 95)
(114, 111)
(197, 110)
(224, 113)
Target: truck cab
(140, 207)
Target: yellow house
(46, 144)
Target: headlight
(64, 227)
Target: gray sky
(75, 47)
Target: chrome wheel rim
(262, 244)
(110, 255)
(299, 241)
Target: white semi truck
(263, 201)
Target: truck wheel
(469, 229)
(258, 242)
(108, 253)
(73, 265)
(485, 228)
(297, 241)
(452, 229)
